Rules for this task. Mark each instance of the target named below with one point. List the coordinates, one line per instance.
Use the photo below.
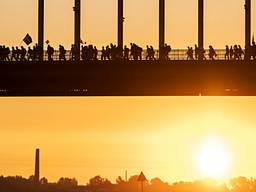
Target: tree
(99, 181)
(157, 182)
(120, 180)
(67, 182)
(43, 181)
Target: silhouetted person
(227, 54)
(108, 52)
(126, 53)
(30, 54)
(90, 52)
(133, 54)
(167, 50)
(84, 54)
(62, 53)
(4, 53)
(212, 53)
(240, 52)
(231, 53)
(50, 52)
(136, 52)
(190, 53)
(23, 53)
(103, 54)
(95, 53)
(35, 53)
(7, 53)
(150, 53)
(236, 52)
(17, 53)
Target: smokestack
(37, 169)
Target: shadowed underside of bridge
(131, 78)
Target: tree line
(100, 184)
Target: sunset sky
(84, 137)
(224, 22)
(163, 136)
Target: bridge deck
(128, 78)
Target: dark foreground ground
(130, 78)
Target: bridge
(174, 77)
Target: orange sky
(224, 21)
(83, 137)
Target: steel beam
(201, 24)
(77, 39)
(120, 23)
(161, 28)
(247, 23)
(41, 27)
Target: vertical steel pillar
(41, 27)
(37, 168)
(77, 39)
(201, 24)
(247, 23)
(120, 23)
(161, 28)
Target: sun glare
(213, 159)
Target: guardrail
(175, 54)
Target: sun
(213, 159)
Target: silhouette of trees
(43, 181)
(100, 184)
(242, 184)
(98, 181)
(67, 182)
(120, 181)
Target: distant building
(37, 168)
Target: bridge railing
(175, 54)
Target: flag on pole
(28, 39)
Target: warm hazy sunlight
(213, 158)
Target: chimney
(37, 169)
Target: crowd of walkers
(235, 52)
(113, 52)
(88, 52)
(20, 54)
(200, 53)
